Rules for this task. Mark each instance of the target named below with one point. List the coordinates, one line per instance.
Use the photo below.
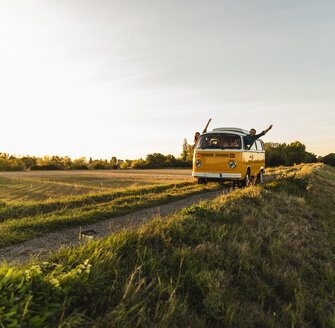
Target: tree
(67, 163)
(185, 148)
(28, 161)
(295, 152)
(124, 166)
(138, 164)
(155, 160)
(114, 163)
(4, 155)
(128, 161)
(310, 158)
(188, 150)
(100, 164)
(275, 156)
(80, 164)
(282, 154)
(328, 159)
(16, 164)
(4, 164)
(170, 161)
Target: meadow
(49, 185)
(262, 256)
(35, 203)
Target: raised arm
(268, 129)
(205, 129)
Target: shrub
(80, 167)
(328, 159)
(45, 167)
(99, 164)
(138, 164)
(124, 166)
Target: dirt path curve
(41, 246)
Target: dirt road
(42, 246)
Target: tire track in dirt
(41, 247)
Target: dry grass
(51, 185)
(257, 257)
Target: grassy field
(50, 185)
(35, 203)
(262, 256)
(38, 186)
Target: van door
(258, 157)
(254, 159)
(261, 154)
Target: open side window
(253, 147)
(259, 145)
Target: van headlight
(232, 164)
(198, 163)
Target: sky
(103, 78)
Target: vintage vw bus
(220, 155)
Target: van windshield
(219, 141)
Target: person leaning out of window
(250, 138)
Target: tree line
(293, 153)
(276, 155)
(287, 154)
(32, 163)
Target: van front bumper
(217, 175)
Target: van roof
(232, 130)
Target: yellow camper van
(220, 155)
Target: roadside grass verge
(257, 257)
(283, 170)
(19, 210)
(22, 222)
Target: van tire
(201, 181)
(246, 180)
(260, 177)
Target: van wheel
(246, 180)
(260, 177)
(201, 181)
